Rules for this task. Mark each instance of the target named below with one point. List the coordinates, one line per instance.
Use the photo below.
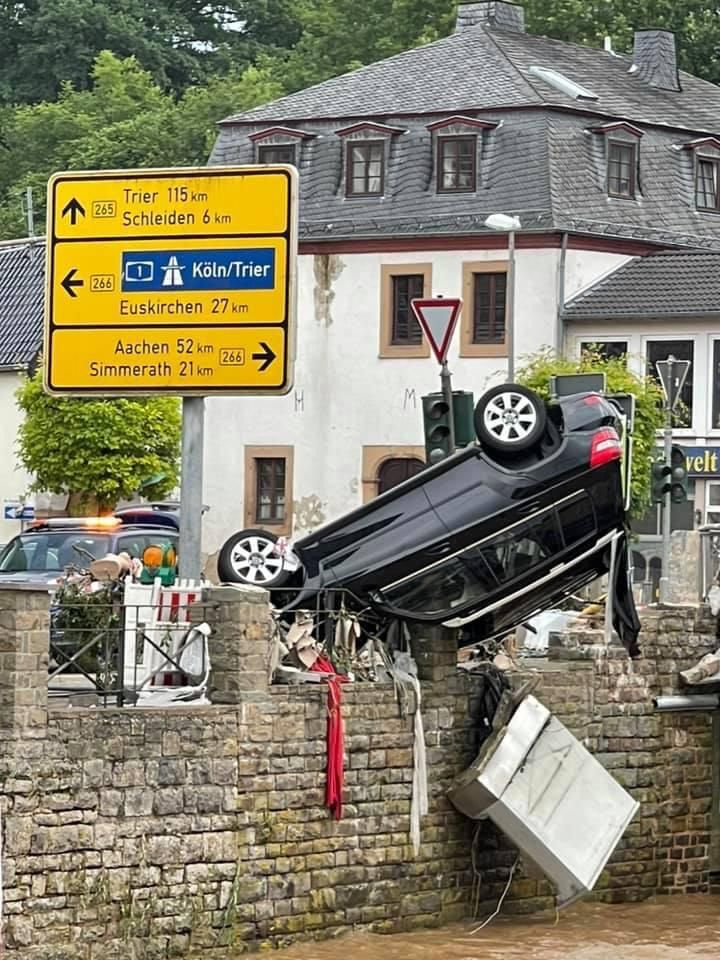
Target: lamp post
(507, 224)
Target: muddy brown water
(672, 928)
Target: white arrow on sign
(438, 318)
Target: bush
(536, 371)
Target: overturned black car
(484, 539)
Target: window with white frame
(607, 349)
(712, 501)
(682, 350)
(715, 381)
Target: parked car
(484, 539)
(42, 552)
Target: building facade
(602, 158)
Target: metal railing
(112, 654)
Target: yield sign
(672, 373)
(438, 319)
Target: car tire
(246, 557)
(510, 418)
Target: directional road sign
(438, 318)
(174, 281)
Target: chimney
(655, 59)
(492, 13)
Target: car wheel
(248, 557)
(509, 418)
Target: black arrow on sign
(75, 209)
(267, 357)
(67, 283)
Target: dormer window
(622, 152)
(279, 144)
(458, 144)
(276, 153)
(707, 196)
(365, 168)
(621, 166)
(366, 152)
(456, 164)
(706, 152)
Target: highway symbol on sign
(171, 281)
(437, 318)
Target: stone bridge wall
(175, 832)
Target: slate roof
(660, 285)
(542, 163)
(486, 67)
(22, 271)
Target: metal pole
(510, 307)
(666, 527)
(446, 388)
(193, 430)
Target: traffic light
(678, 475)
(436, 427)
(463, 415)
(660, 481)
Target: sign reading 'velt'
(171, 281)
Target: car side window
(577, 519)
(510, 554)
(136, 544)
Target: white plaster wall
(583, 267)
(13, 479)
(345, 396)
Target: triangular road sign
(438, 318)
(672, 374)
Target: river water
(672, 928)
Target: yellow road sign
(242, 281)
(156, 360)
(154, 260)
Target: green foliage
(80, 617)
(100, 450)
(124, 121)
(537, 370)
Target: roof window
(562, 83)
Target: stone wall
(158, 833)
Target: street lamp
(507, 224)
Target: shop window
(715, 380)
(396, 470)
(268, 488)
(681, 350)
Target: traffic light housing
(661, 484)
(678, 475)
(463, 414)
(436, 427)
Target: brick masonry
(178, 832)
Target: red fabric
(335, 737)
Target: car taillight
(592, 399)
(605, 447)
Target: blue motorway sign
(168, 270)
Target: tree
(98, 451)
(179, 42)
(126, 120)
(537, 370)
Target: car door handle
(439, 549)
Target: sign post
(672, 374)
(172, 281)
(438, 318)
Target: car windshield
(53, 551)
